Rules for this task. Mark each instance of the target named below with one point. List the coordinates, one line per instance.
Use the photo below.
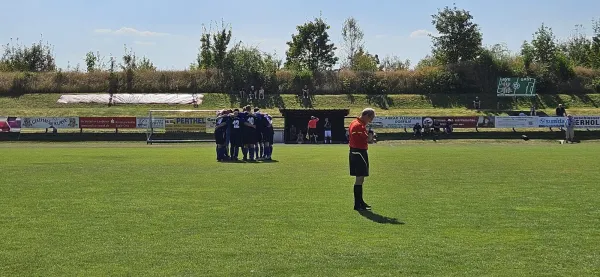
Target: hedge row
(455, 79)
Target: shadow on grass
(380, 218)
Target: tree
(94, 62)
(363, 61)
(221, 40)
(146, 65)
(528, 54)
(352, 37)
(205, 57)
(213, 47)
(459, 38)
(595, 51)
(311, 48)
(393, 63)
(36, 58)
(248, 66)
(544, 45)
(578, 48)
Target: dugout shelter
(300, 118)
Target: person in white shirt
(261, 93)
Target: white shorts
(328, 133)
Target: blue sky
(168, 32)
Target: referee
(359, 159)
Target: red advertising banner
(107, 122)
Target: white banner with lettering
(50, 122)
(551, 121)
(144, 122)
(587, 122)
(516, 122)
(396, 121)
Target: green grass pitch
(451, 209)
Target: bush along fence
(464, 78)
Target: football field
(446, 209)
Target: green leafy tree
(221, 41)
(36, 58)
(528, 54)
(578, 48)
(205, 57)
(363, 61)
(393, 63)
(311, 49)
(595, 51)
(459, 38)
(544, 45)
(353, 40)
(145, 65)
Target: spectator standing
(449, 127)
(570, 132)
(560, 111)
(261, 93)
(417, 130)
(532, 110)
(312, 129)
(305, 92)
(293, 133)
(327, 127)
(251, 93)
(477, 103)
(242, 94)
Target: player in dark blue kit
(259, 147)
(235, 123)
(220, 130)
(268, 134)
(248, 133)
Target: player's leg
(359, 168)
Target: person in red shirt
(359, 159)
(312, 129)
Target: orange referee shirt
(359, 138)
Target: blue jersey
(236, 123)
(259, 121)
(268, 123)
(221, 120)
(250, 119)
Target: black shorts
(220, 137)
(259, 136)
(359, 162)
(250, 136)
(235, 139)
(268, 136)
(312, 131)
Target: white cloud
(138, 42)
(421, 33)
(127, 31)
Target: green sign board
(508, 87)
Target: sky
(168, 32)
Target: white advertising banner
(50, 122)
(396, 121)
(551, 121)
(144, 122)
(517, 122)
(587, 122)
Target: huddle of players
(253, 132)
